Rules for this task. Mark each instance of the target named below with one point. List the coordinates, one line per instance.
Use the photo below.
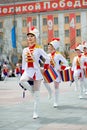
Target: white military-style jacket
(31, 61)
(77, 66)
(85, 60)
(56, 60)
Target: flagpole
(14, 54)
(14, 25)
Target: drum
(17, 70)
(66, 74)
(85, 72)
(50, 75)
(5, 71)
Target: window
(46, 48)
(24, 36)
(1, 36)
(66, 33)
(34, 22)
(66, 19)
(56, 33)
(24, 23)
(1, 42)
(67, 47)
(1, 24)
(44, 21)
(45, 34)
(0, 50)
(78, 32)
(55, 20)
(78, 19)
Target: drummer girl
(18, 70)
(77, 68)
(85, 65)
(58, 62)
(31, 67)
(5, 70)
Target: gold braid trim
(78, 62)
(29, 57)
(57, 52)
(38, 46)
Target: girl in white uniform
(77, 68)
(5, 71)
(58, 62)
(18, 71)
(31, 67)
(85, 65)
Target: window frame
(66, 19)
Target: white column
(7, 25)
(61, 30)
(84, 26)
(19, 34)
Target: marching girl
(18, 70)
(5, 71)
(77, 68)
(31, 67)
(85, 66)
(59, 63)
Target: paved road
(16, 112)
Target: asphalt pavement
(16, 111)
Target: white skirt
(28, 74)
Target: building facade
(65, 19)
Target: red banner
(35, 7)
(50, 27)
(72, 30)
(29, 23)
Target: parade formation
(38, 66)
(43, 64)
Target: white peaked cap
(34, 31)
(79, 47)
(4, 65)
(17, 64)
(55, 42)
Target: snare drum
(5, 71)
(85, 72)
(50, 75)
(66, 74)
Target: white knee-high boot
(85, 85)
(36, 104)
(81, 90)
(76, 83)
(56, 94)
(48, 89)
